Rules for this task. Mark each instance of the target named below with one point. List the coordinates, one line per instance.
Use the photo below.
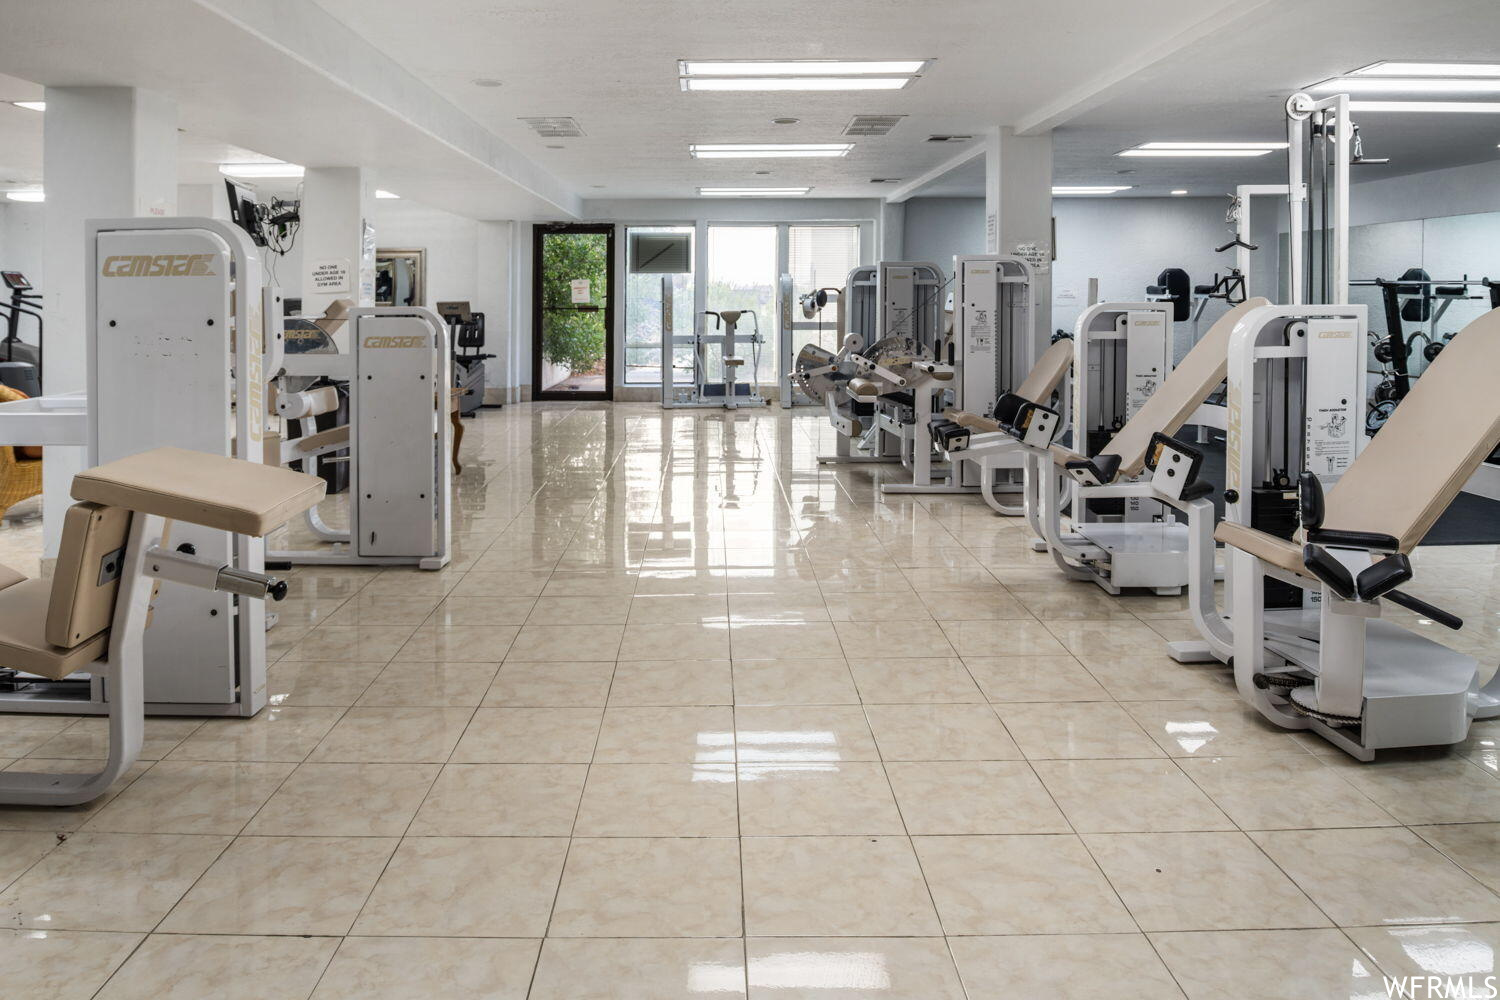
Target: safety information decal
(331, 275)
(1038, 255)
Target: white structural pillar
(493, 298)
(1018, 209)
(108, 153)
(893, 231)
(338, 238)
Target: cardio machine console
(15, 281)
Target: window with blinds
(820, 257)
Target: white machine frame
(400, 475)
(728, 339)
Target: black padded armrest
(1386, 575)
(1353, 539)
(1007, 408)
(1101, 467)
(1328, 569)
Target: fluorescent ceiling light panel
(1197, 152)
(796, 83)
(1429, 107)
(1178, 193)
(385, 194)
(261, 168)
(757, 150)
(31, 105)
(1086, 189)
(33, 194)
(1385, 68)
(801, 67)
(733, 192)
(1212, 145)
(1409, 85)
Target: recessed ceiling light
(485, 81)
(798, 74)
(757, 150)
(27, 194)
(31, 105)
(1385, 68)
(1089, 189)
(742, 192)
(261, 168)
(785, 121)
(1429, 107)
(1178, 193)
(1409, 85)
(379, 193)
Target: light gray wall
(1435, 194)
(939, 228)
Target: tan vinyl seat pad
(322, 439)
(193, 486)
(1047, 374)
(1435, 440)
(87, 574)
(10, 577)
(1180, 394)
(973, 421)
(1279, 552)
(23, 641)
(1062, 455)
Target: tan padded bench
(1409, 473)
(1037, 387)
(1175, 400)
(211, 490)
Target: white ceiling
(390, 85)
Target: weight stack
(1274, 511)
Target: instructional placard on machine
(330, 275)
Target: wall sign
(581, 292)
(331, 275)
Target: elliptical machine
(22, 362)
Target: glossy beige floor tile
(191, 797)
(1106, 638)
(529, 736)
(351, 644)
(640, 969)
(1118, 966)
(1148, 676)
(60, 965)
(812, 799)
(1378, 876)
(276, 734)
(659, 800)
(783, 640)
(344, 800)
(1472, 846)
(300, 683)
(678, 609)
(414, 684)
(973, 797)
(1298, 793)
(851, 969)
(20, 849)
(394, 735)
(666, 735)
(1464, 953)
(283, 885)
(465, 887)
(109, 881)
(1453, 790)
(695, 641)
(1034, 678)
(595, 609)
(627, 887)
(551, 685)
(189, 966)
(1129, 796)
(1019, 885)
(62, 819)
(940, 732)
(835, 886)
(553, 643)
(794, 682)
(88, 739)
(466, 610)
(1003, 638)
(1232, 965)
(382, 609)
(396, 968)
(812, 733)
(501, 800)
(1212, 729)
(672, 682)
(1200, 881)
(1073, 730)
(891, 639)
(913, 680)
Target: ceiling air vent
(949, 138)
(554, 128)
(872, 124)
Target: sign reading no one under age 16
(331, 275)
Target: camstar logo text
(167, 265)
(395, 341)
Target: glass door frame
(539, 231)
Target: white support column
(108, 153)
(1018, 210)
(893, 231)
(337, 238)
(493, 298)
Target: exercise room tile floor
(690, 716)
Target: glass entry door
(572, 306)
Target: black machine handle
(1421, 607)
(1236, 242)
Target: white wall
(21, 247)
(1435, 194)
